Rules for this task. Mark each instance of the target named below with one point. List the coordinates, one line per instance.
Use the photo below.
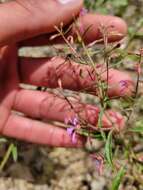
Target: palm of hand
(9, 85)
(15, 70)
(22, 127)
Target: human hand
(31, 23)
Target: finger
(89, 27)
(27, 19)
(45, 105)
(73, 76)
(37, 132)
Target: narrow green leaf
(6, 157)
(120, 3)
(138, 129)
(108, 149)
(96, 135)
(118, 178)
(14, 153)
(100, 123)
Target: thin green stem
(6, 157)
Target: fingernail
(65, 1)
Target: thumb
(22, 19)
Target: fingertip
(70, 9)
(117, 28)
(81, 141)
(92, 23)
(68, 2)
(120, 84)
(113, 119)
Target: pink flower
(72, 121)
(83, 11)
(70, 130)
(74, 124)
(125, 84)
(99, 162)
